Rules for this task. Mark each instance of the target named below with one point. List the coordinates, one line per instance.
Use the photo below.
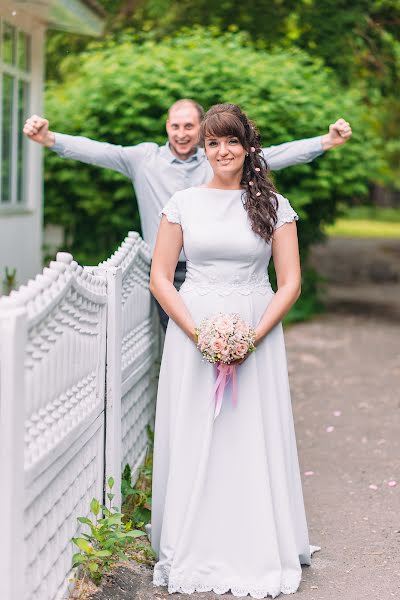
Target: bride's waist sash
(222, 286)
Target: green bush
(120, 93)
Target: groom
(157, 172)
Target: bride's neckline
(203, 187)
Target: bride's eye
(212, 143)
(234, 141)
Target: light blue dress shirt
(156, 173)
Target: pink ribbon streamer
(225, 374)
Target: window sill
(13, 211)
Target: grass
(366, 221)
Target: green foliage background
(120, 92)
(294, 66)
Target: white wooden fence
(78, 349)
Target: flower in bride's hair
(251, 182)
(258, 194)
(252, 149)
(257, 169)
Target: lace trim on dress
(289, 585)
(287, 215)
(203, 286)
(171, 211)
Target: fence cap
(7, 303)
(64, 257)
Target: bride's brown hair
(259, 196)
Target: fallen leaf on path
(308, 473)
(373, 486)
(392, 483)
(337, 413)
(330, 429)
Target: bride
(228, 510)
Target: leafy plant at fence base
(108, 540)
(137, 498)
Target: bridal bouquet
(222, 339)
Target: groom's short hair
(196, 105)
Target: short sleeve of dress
(285, 212)
(171, 210)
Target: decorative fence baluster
(139, 341)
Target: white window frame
(25, 76)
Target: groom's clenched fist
(37, 129)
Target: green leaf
(95, 506)
(78, 559)
(93, 567)
(102, 553)
(86, 521)
(83, 545)
(110, 482)
(136, 533)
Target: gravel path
(344, 370)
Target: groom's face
(183, 129)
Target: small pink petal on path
(373, 486)
(337, 413)
(392, 483)
(308, 473)
(330, 429)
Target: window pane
(8, 88)
(8, 49)
(23, 107)
(24, 51)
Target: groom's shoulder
(145, 149)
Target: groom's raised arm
(305, 151)
(100, 154)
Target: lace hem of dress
(254, 283)
(287, 216)
(172, 213)
(288, 585)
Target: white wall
(21, 228)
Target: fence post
(113, 442)
(13, 335)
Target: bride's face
(225, 154)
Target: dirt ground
(344, 371)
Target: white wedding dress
(228, 510)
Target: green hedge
(120, 93)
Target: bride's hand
(239, 361)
